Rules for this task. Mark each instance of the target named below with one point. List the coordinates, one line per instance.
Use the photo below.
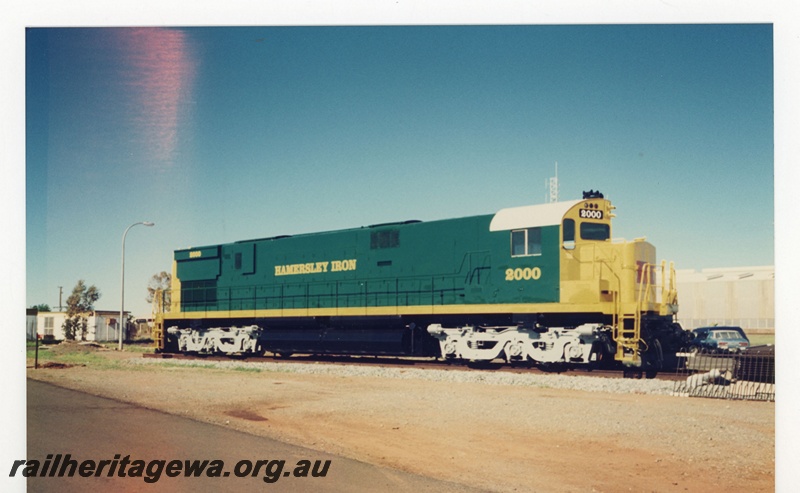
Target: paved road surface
(62, 421)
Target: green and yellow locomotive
(541, 284)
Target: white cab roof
(531, 216)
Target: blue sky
(222, 134)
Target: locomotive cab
(617, 277)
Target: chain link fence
(749, 375)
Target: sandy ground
(499, 438)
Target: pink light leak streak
(161, 81)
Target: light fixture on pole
(121, 324)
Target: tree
(79, 303)
(161, 281)
(43, 307)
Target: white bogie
(225, 340)
(555, 345)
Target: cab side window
(518, 243)
(568, 232)
(526, 242)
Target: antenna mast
(553, 187)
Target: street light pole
(122, 323)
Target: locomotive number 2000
(525, 274)
(591, 214)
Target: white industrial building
(100, 325)
(743, 296)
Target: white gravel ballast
(554, 381)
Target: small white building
(100, 325)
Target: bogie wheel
(655, 361)
(632, 373)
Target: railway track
(422, 364)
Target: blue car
(719, 339)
